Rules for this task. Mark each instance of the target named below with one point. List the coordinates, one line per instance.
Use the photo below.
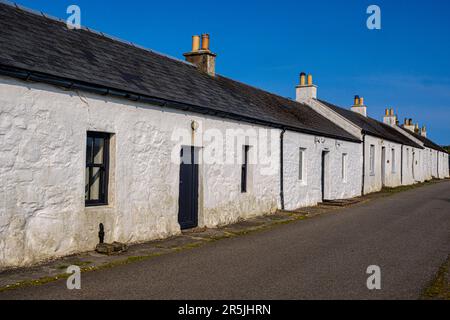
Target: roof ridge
(93, 31)
(360, 115)
(232, 95)
(111, 37)
(426, 140)
(387, 127)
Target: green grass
(439, 287)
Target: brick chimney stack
(201, 55)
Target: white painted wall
(42, 164)
(300, 193)
(435, 163)
(373, 180)
(332, 116)
(443, 167)
(426, 164)
(412, 165)
(42, 167)
(446, 165)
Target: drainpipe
(364, 163)
(281, 169)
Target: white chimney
(359, 106)
(408, 125)
(423, 132)
(390, 118)
(306, 89)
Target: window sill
(99, 208)
(93, 205)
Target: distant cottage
(98, 131)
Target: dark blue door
(188, 199)
(324, 173)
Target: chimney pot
(386, 112)
(356, 101)
(361, 101)
(195, 43)
(205, 41)
(302, 79)
(310, 80)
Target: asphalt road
(407, 235)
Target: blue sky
(405, 65)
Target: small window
(97, 162)
(301, 165)
(407, 157)
(372, 159)
(244, 172)
(394, 165)
(344, 167)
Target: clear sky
(405, 65)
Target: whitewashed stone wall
(412, 165)
(447, 166)
(300, 193)
(427, 164)
(42, 172)
(373, 180)
(434, 163)
(443, 165)
(332, 116)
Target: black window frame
(104, 170)
(244, 172)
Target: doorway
(383, 166)
(188, 192)
(324, 179)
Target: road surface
(407, 235)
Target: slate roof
(33, 42)
(427, 142)
(373, 127)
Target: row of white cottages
(98, 131)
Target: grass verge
(439, 287)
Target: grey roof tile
(427, 142)
(35, 43)
(372, 126)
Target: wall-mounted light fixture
(194, 125)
